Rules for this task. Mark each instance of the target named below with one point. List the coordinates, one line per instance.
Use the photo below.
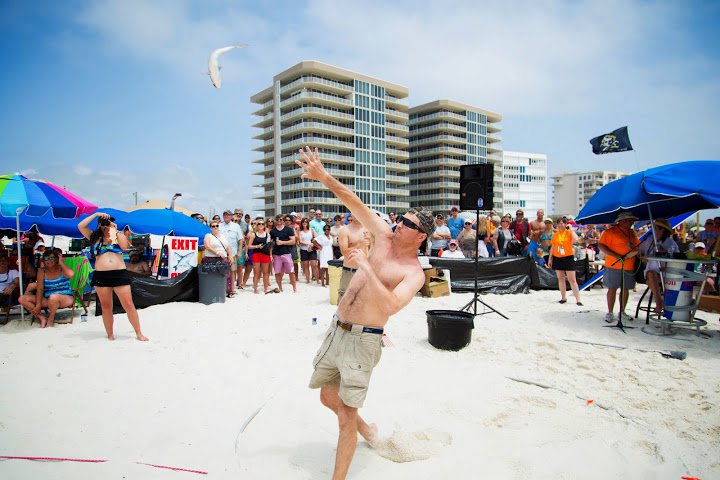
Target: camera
(105, 222)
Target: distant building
(524, 183)
(445, 135)
(358, 124)
(571, 191)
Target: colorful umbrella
(19, 194)
(37, 197)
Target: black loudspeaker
(476, 182)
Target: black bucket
(449, 329)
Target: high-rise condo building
(571, 191)
(524, 183)
(357, 122)
(444, 135)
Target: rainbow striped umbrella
(37, 197)
(19, 194)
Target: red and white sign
(182, 254)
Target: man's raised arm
(314, 170)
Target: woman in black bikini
(107, 246)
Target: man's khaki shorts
(347, 359)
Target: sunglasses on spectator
(214, 226)
(468, 223)
(288, 219)
(49, 258)
(408, 223)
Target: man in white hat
(618, 243)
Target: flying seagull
(214, 67)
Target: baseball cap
(454, 208)
(293, 214)
(227, 212)
(699, 245)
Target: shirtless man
(351, 237)
(386, 280)
(136, 265)
(537, 227)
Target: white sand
(182, 399)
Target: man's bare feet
(142, 337)
(43, 321)
(111, 337)
(371, 436)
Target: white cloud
(82, 170)
(27, 172)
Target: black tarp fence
(148, 291)
(504, 275)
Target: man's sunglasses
(48, 258)
(408, 223)
(214, 226)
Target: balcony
(446, 184)
(493, 148)
(268, 169)
(264, 108)
(317, 112)
(319, 97)
(310, 80)
(317, 126)
(443, 172)
(393, 100)
(436, 150)
(325, 157)
(396, 127)
(269, 156)
(494, 138)
(493, 127)
(449, 162)
(444, 138)
(442, 115)
(317, 141)
(396, 179)
(440, 126)
(396, 153)
(398, 192)
(397, 167)
(264, 121)
(266, 133)
(396, 114)
(404, 206)
(397, 140)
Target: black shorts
(306, 255)
(564, 264)
(110, 278)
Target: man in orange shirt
(619, 242)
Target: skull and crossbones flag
(615, 141)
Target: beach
(222, 389)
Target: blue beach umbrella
(660, 192)
(163, 222)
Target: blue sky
(108, 97)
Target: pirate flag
(615, 141)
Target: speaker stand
(472, 304)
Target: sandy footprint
(403, 447)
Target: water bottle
(314, 321)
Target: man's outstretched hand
(314, 169)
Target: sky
(110, 99)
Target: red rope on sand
(52, 459)
(173, 468)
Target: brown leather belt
(348, 327)
(350, 269)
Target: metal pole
(477, 237)
(19, 249)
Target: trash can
(334, 274)
(679, 298)
(212, 282)
(449, 329)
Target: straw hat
(625, 216)
(662, 223)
